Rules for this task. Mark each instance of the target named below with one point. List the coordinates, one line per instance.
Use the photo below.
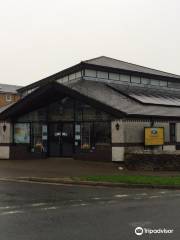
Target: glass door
(61, 139)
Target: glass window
(22, 133)
(163, 83)
(38, 115)
(86, 135)
(173, 84)
(114, 76)
(72, 76)
(8, 98)
(39, 137)
(90, 73)
(172, 129)
(124, 78)
(62, 110)
(155, 82)
(102, 133)
(102, 74)
(145, 80)
(135, 79)
(78, 74)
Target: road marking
(96, 198)
(38, 204)
(137, 198)
(49, 208)
(154, 196)
(141, 194)
(83, 204)
(12, 212)
(162, 192)
(121, 195)
(79, 205)
(7, 207)
(75, 200)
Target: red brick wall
(3, 102)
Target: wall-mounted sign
(154, 136)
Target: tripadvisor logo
(140, 231)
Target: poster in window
(22, 133)
(154, 136)
(44, 132)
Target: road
(33, 211)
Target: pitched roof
(117, 100)
(118, 64)
(102, 62)
(7, 88)
(109, 99)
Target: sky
(41, 37)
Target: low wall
(153, 162)
(22, 152)
(100, 154)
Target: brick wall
(3, 100)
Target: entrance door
(61, 139)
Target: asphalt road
(30, 211)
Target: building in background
(99, 109)
(8, 94)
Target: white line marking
(49, 208)
(121, 196)
(75, 200)
(141, 194)
(137, 198)
(7, 207)
(38, 204)
(12, 212)
(95, 198)
(154, 196)
(83, 204)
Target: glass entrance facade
(63, 128)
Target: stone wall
(153, 162)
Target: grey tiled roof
(118, 101)
(109, 96)
(9, 88)
(114, 63)
(149, 95)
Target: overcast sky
(41, 37)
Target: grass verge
(150, 180)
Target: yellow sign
(154, 136)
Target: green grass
(152, 180)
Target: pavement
(63, 169)
(42, 211)
(55, 167)
(66, 167)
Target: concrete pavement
(65, 167)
